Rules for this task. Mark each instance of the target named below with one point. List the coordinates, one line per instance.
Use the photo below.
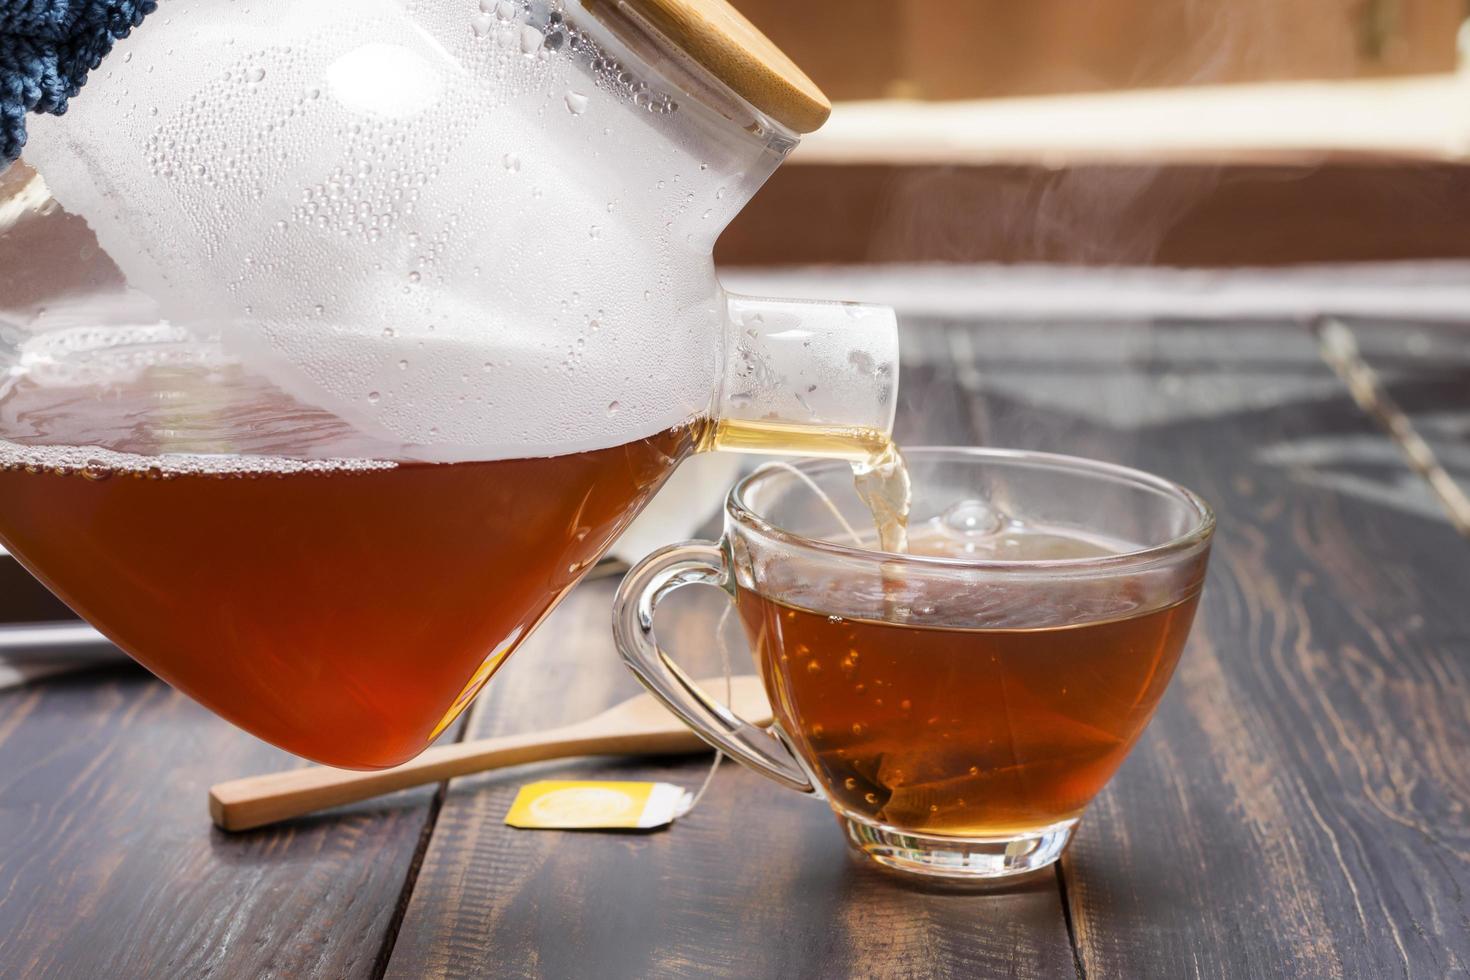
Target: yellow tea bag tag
(572, 805)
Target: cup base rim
(978, 859)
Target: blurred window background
(965, 49)
(1197, 133)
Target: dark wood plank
(109, 866)
(1298, 806)
(754, 883)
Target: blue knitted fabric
(46, 49)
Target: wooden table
(1299, 808)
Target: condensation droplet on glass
(576, 102)
(373, 397)
(415, 277)
(255, 74)
(403, 365)
(512, 162)
(613, 408)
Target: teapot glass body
(340, 339)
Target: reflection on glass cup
(958, 706)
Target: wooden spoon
(638, 726)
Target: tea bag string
(822, 495)
(714, 765)
(725, 618)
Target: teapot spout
(803, 377)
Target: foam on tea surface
(950, 598)
(457, 226)
(100, 464)
(976, 530)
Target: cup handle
(643, 588)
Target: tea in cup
(960, 704)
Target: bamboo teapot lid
(731, 48)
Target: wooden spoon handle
(244, 804)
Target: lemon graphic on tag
(583, 806)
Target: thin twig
(1340, 349)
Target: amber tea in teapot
(333, 608)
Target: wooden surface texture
(1300, 806)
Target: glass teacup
(958, 706)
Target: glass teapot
(341, 338)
